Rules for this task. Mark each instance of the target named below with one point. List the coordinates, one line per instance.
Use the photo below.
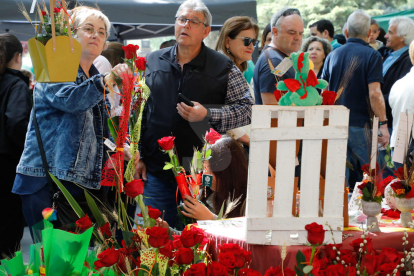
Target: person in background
(72, 121)
(325, 29)
(237, 40)
(381, 36)
(29, 74)
(372, 40)
(15, 106)
(401, 97)
(397, 62)
(168, 43)
(114, 53)
(266, 37)
(363, 89)
(219, 93)
(319, 49)
(287, 34)
(340, 38)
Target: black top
(15, 106)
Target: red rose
(277, 271)
(328, 97)
(191, 236)
(248, 272)
(130, 51)
(57, 10)
(167, 250)
(316, 234)
(177, 242)
(389, 255)
(335, 270)
(350, 271)
(399, 173)
(134, 188)
(356, 244)
(199, 269)
(319, 265)
(212, 136)
(107, 258)
(152, 213)
(166, 143)
(348, 257)
(362, 186)
(242, 256)
(44, 13)
(228, 260)
(106, 230)
(371, 263)
(140, 63)
(367, 167)
(84, 223)
(398, 187)
(158, 236)
(184, 256)
(217, 269)
(387, 180)
(388, 268)
(330, 253)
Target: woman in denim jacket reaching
(72, 121)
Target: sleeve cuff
(216, 115)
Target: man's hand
(385, 138)
(140, 168)
(196, 113)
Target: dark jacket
(15, 106)
(398, 69)
(203, 79)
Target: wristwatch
(383, 122)
(208, 116)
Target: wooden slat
(300, 110)
(293, 223)
(285, 168)
(297, 133)
(335, 168)
(310, 166)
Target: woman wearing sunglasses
(72, 121)
(237, 40)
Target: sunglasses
(248, 40)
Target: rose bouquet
(372, 187)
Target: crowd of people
(64, 132)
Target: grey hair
(81, 13)
(358, 24)
(197, 6)
(374, 22)
(405, 28)
(276, 20)
(327, 48)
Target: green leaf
(366, 193)
(349, 165)
(75, 206)
(208, 154)
(300, 260)
(220, 215)
(196, 257)
(127, 235)
(307, 269)
(113, 126)
(298, 271)
(117, 79)
(168, 166)
(94, 208)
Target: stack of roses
(233, 257)
(372, 187)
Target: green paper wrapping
(3, 268)
(34, 274)
(34, 257)
(64, 252)
(38, 228)
(16, 266)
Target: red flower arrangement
(84, 223)
(130, 51)
(134, 188)
(157, 236)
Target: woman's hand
(194, 209)
(120, 71)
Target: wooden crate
(288, 131)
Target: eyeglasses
(248, 40)
(91, 31)
(194, 23)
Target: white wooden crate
(283, 224)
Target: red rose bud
(84, 223)
(130, 51)
(157, 236)
(106, 230)
(134, 188)
(152, 213)
(316, 234)
(184, 256)
(191, 236)
(107, 258)
(328, 97)
(217, 269)
(44, 13)
(212, 136)
(199, 269)
(140, 63)
(166, 143)
(57, 10)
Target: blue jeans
(160, 194)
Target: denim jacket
(73, 123)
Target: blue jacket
(73, 123)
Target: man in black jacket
(218, 90)
(397, 61)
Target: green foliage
(300, 263)
(94, 208)
(75, 206)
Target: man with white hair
(287, 34)
(362, 92)
(219, 93)
(397, 62)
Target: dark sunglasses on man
(248, 40)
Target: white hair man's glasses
(91, 31)
(194, 23)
